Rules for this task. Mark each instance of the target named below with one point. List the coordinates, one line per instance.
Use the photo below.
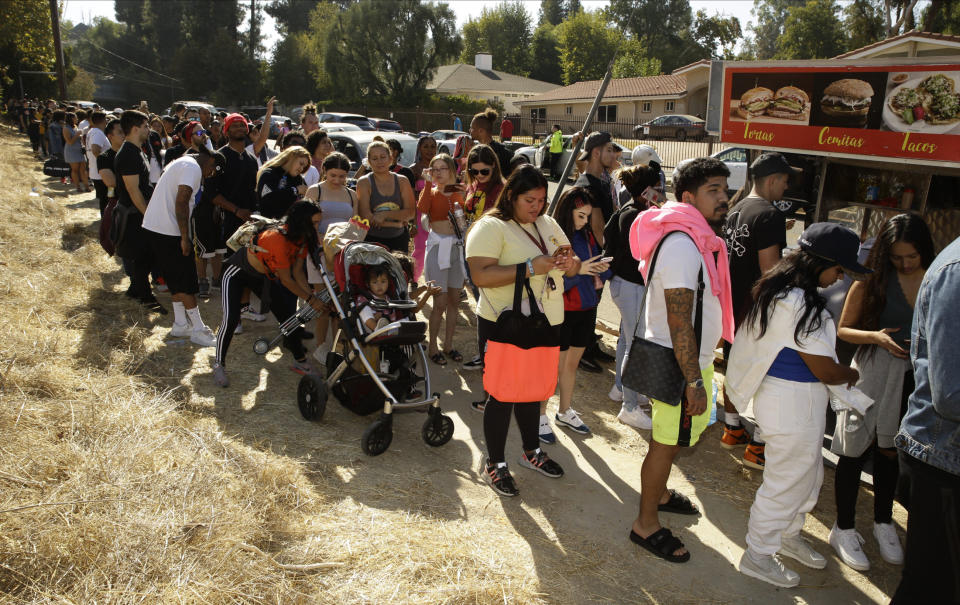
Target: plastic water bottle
(459, 216)
(713, 405)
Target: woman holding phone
(877, 316)
(580, 302)
(443, 264)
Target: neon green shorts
(672, 427)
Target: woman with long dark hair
(426, 150)
(877, 316)
(783, 359)
(517, 235)
(276, 262)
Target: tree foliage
(812, 31)
(664, 26)
(504, 32)
(633, 61)
(391, 54)
(26, 41)
(716, 35)
(545, 55)
(771, 16)
(863, 22)
(586, 46)
(942, 16)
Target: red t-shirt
(506, 131)
(280, 253)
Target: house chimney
(483, 61)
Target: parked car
(354, 144)
(350, 118)
(385, 125)
(542, 157)
(192, 105)
(276, 123)
(800, 191)
(446, 140)
(341, 127)
(675, 126)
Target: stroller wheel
(376, 439)
(437, 429)
(261, 346)
(312, 397)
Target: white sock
(195, 319)
(731, 418)
(179, 316)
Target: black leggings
(282, 305)
(496, 423)
(886, 472)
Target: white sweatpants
(791, 417)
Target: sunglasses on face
(200, 133)
(481, 171)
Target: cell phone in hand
(562, 251)
(606, 259)
(653, 196)
(451, 188)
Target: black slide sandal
(662, 543)
(679, 504)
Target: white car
(341, 127)
(736, 160)
(354, 144)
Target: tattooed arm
(682, 335)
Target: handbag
(523, 353)
(106, 222)
(55, 166)
(652, 369)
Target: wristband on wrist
(530, 267)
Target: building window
(607, 113)
(569, 109)
(538, 113)
(670, 106)
(645, 108)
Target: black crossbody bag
(651, 369)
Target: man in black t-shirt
(134, 191)
(756, 234)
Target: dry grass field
(126, 476)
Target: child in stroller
(377, 279)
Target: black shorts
(178, 271)
(577, 328)
(205, 231)
(399, 243)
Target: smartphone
(654, 197)
(451, 188)
(562, 251)
(606, 259)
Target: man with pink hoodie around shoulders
(691, 255)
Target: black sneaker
(590, 365)
(479, 406)
(473, 364)
(204, 288)
(500, 479)
(154, 305)
(541, 463)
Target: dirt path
(567, 537)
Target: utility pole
(58, 49)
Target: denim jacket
(930, 430)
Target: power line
(97, 46)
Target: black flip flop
(438, 359)
(663, 544)
(679, 504)
(454, 354)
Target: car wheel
(681, 134)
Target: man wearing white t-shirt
(689, 265)
(97, 142)
(166, 222)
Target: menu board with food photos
(894, 111)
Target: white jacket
(751, 357)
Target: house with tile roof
(908, 44)
(480, 81)
(627, 101)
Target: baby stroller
(376, 371)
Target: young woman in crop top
(385, 199)
(426, 150)
(444, 258)
(877, 316)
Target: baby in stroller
(377, 279)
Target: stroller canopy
(350, 266)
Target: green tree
(771, 15)
(551, 12)
(504, 32)
(661, 25)
(392, 54)
(716, 35)
(26, 42)
(291, 16)
(82, 85)
(812, 31)
(942, 16)
(586, 46)
(545, 55)
(863, 22)
(633, 61)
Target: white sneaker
(615, 394)
(180, 329)
(768, 568)
(252, 315)
(546, 431)
(203, 337)
(800, 550)
(571, 420)
(239, 329)
(320, 354)
(847, 543)
(890, 548)
(637, 418)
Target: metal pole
(58, 49)
(586, 130)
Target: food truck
(874, 137)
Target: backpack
(246, 234)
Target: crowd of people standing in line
(686, 275)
